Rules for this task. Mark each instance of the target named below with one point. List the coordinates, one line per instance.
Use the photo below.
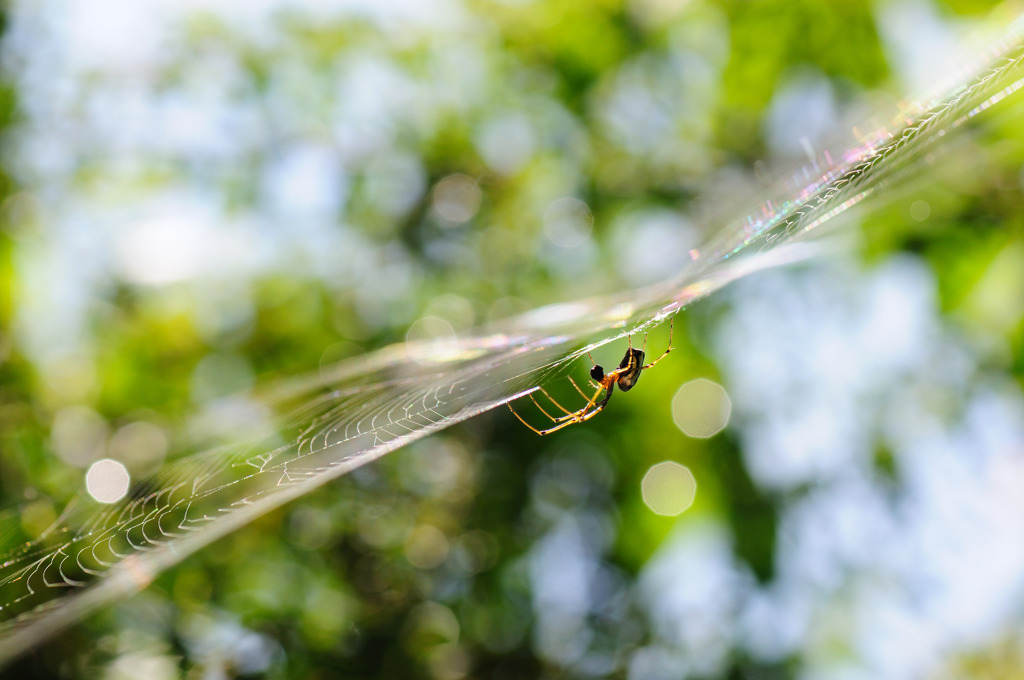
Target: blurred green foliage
(343, 582)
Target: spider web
(312, 430)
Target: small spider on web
(625, 376)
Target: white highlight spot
(307, 180)
(430, 329)
(656, 242)
(568, 222)
(162, 250)
(431, 339)
(668, 488)
(701, 408)
(107, 481)
(78, 435)
(140, 444)
(456, 199)
(507, 143)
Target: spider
(625, 376)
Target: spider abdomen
(629, 369)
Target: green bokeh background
(332, 581)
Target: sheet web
(311, 430)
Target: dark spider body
(629, 369)
(625, 376)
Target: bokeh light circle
(456, 199)
(701, 408)
(107, 481)
(668, 488)
(568, 222)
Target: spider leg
(644, 368)
(556, 428)
(566, 423)
(573, 416)
(597, 409)
(582, 393)
(541, 409)
(592, 400)
(550, 417)
(523, 421)
(553, 401)
(569, 415)
(578, 417)
(670, 347)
